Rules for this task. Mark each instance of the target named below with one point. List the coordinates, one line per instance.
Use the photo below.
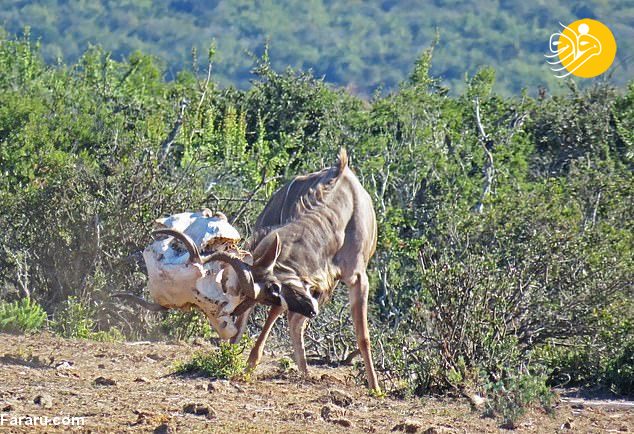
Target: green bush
(22, 316)
(619, 373)
(184, 326)
(575, 365)
(509, 398)
(75, 320)
(595, 358)
(225, 362)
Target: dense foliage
(359, 44)
(505, 224)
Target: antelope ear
(267, 254)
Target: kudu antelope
(316, 230)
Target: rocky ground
(130, 387)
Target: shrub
(75, 320)
(509, 398)
(596, 358)
(185, 325)
(225, 362)
(330, 337)
(285, 364)
(575, 365)
(22, 316)
(619, 373)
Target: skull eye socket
(315, 294)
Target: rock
(101, 366)
(342, 421)
(308, 415)
(331, 379)
(8, 407)
(154, 356)
(44, 401)
(103, 381)
(140, 380)
(142, 417)
(342, 399)
(191, 408)
(64, 364)
(219, 386)
(412, 426)
(331, 411)
(200, 410)
(162, 429)
(476, 401)
(199, 342)
(566, 425)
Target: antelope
(315, 231)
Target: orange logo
(585, 48)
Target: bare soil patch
(130, 387)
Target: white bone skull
(174, 281)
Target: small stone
(331, 411)
(308, 415)
(103, 381)
(191, 408)
(330, 378)
(342, 399)
(342, 421)
(64, 364)
(566, 425)
(199, 410)
(44, 401)
(411, 426)
(156, 357)
(476, 400)
(199, 342)
(101, 366)
(219, 386)
(140, 380)
(8, 407)
(162, 429)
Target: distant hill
(363, 45)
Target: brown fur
(316, 230)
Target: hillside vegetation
(363, 45)
(504, 262)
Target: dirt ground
(130, 387)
